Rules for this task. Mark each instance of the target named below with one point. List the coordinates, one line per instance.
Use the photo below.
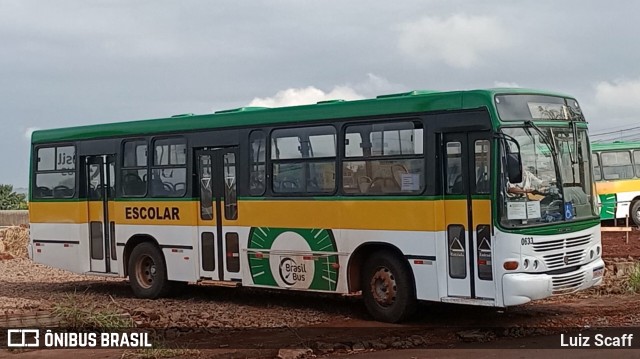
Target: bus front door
(100, 189)
(218, 239)
(467, 206)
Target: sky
(73, 62)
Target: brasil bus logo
(293, 258)
(292, 272)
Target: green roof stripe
(616, 145)
(409, 102)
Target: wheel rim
(383, 287)
(145, 271)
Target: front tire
(388, 288)
(635, 213)
(148, 272)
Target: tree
(9, 200)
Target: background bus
(617, 174)
(400, 198)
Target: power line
(613, 132)
(628, 136)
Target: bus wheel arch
(386, 280)
(131, 244)
(147, 269)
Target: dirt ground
(268, 320)
(615, 245)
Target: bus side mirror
(514, 167)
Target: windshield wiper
(552, 148)
(544, 137)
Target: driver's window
(454, 181)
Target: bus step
(469, 301)
(353, 294)
(220, 283)
(102, 274)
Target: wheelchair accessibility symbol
(568, 210)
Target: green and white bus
(401, 198)
(616, 169)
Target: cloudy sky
(66, 63)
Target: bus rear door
(100, 187)
(219, 243)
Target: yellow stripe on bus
(58, 212)
(410, 215)
(618, 186)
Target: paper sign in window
(516, 210)
(410, 182)
(533, 209)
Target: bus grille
(565, 284)
(567, 251)
(558, 260)
(564, 243)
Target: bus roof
(407, 102)
(615, 145)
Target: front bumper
(520, 288)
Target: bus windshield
(556, 177)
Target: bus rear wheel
(148, 272)
(387, 288)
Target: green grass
(634, 279)
(80, 313)
(159, 351)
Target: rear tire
(635, 213)
(388, 287)
(148, 272)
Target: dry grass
(14, 241)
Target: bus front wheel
(635, 213)
(387, 287)
(148, 272)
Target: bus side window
(55, 172)
(257, 160)
(616, 165)
(597, 175)
(482, 166)
(169, 170)
(383, 158)
(230, 180)
(303, 160)
(454, 184)
(636, 162)
(134, 168)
